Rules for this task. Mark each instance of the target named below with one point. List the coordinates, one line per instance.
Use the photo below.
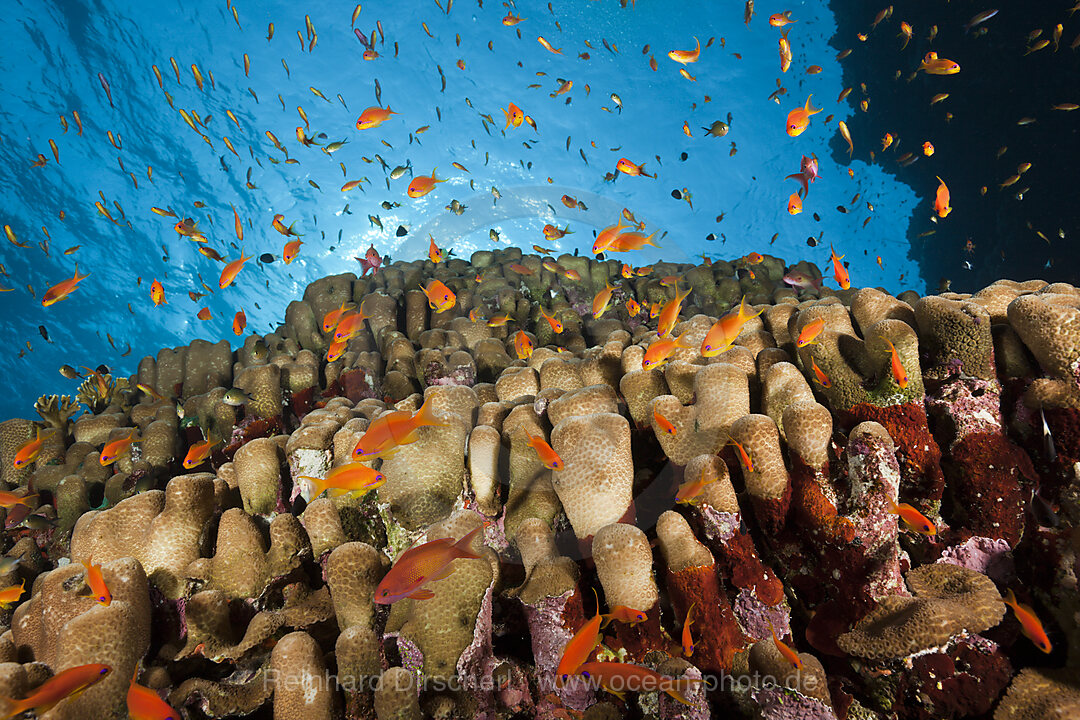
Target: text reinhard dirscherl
(294, 681)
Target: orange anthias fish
(839, 271)
(29, 450)
(498, 320)
(62, 685)
(189, 229)
(336, 349)
(913, 520)
(440, 297)
(556, 326)
(1030, 624)
(669, 314)
(435, 253)
(899, 374)
(686, 56)
(421, 185)
(145, 704)
(606, 236)
(810, 332)
(62, 289)
(230, 271)
(392, 429)
(280, 227)
(547, 455)
(687, 638)
(579, 649)
(349, 325)
(332, 318)
(819, 375)
(660, 352)
(8, 499)
(523, 345)
(96, 583)
(10, 595)
(788, 654)
(723, 333)
(780, 19)
(624, 614)
(602, 300)
(628, 168)
(933, 66)
(419, 565)
(633, 240)
(632, 307)
(354, 477)
(799, 118)
(691, 490)
(662, 423)
(198, 452)
(291, 250)
(552, 232)
(941, 200)
(373, 117)
(116, 448)
(514, 115)
(794, 204)
(511, 20)
(619, 677)
(744, 457)
(157, 293)
(239, 322)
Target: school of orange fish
(433, 560)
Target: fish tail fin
(1010, 598)
(425, 416)
(680, 296)
(648, 240)
(25, 500)
(318, 485)
(810, 108)
(678, 689)
(15, 708)
(463, 547)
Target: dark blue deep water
(53, 52)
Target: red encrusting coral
(984, 472)
(641, 637)
(771, 513)
(963, 682)
(920, 457)
(716, 634)
(741, 563)
(811, 509)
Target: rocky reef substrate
(236, 594)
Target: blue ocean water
(55, 50)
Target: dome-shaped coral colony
(236, 594)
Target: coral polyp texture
(457, 518)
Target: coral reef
(742, 522)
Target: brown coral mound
(949, 600)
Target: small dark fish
(402, 231)
(978, 19)
(1048, 440)
(718, 129)
(44, 333)
(105, 85)
(1043, 512)
(266, 258)
(69, 372)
